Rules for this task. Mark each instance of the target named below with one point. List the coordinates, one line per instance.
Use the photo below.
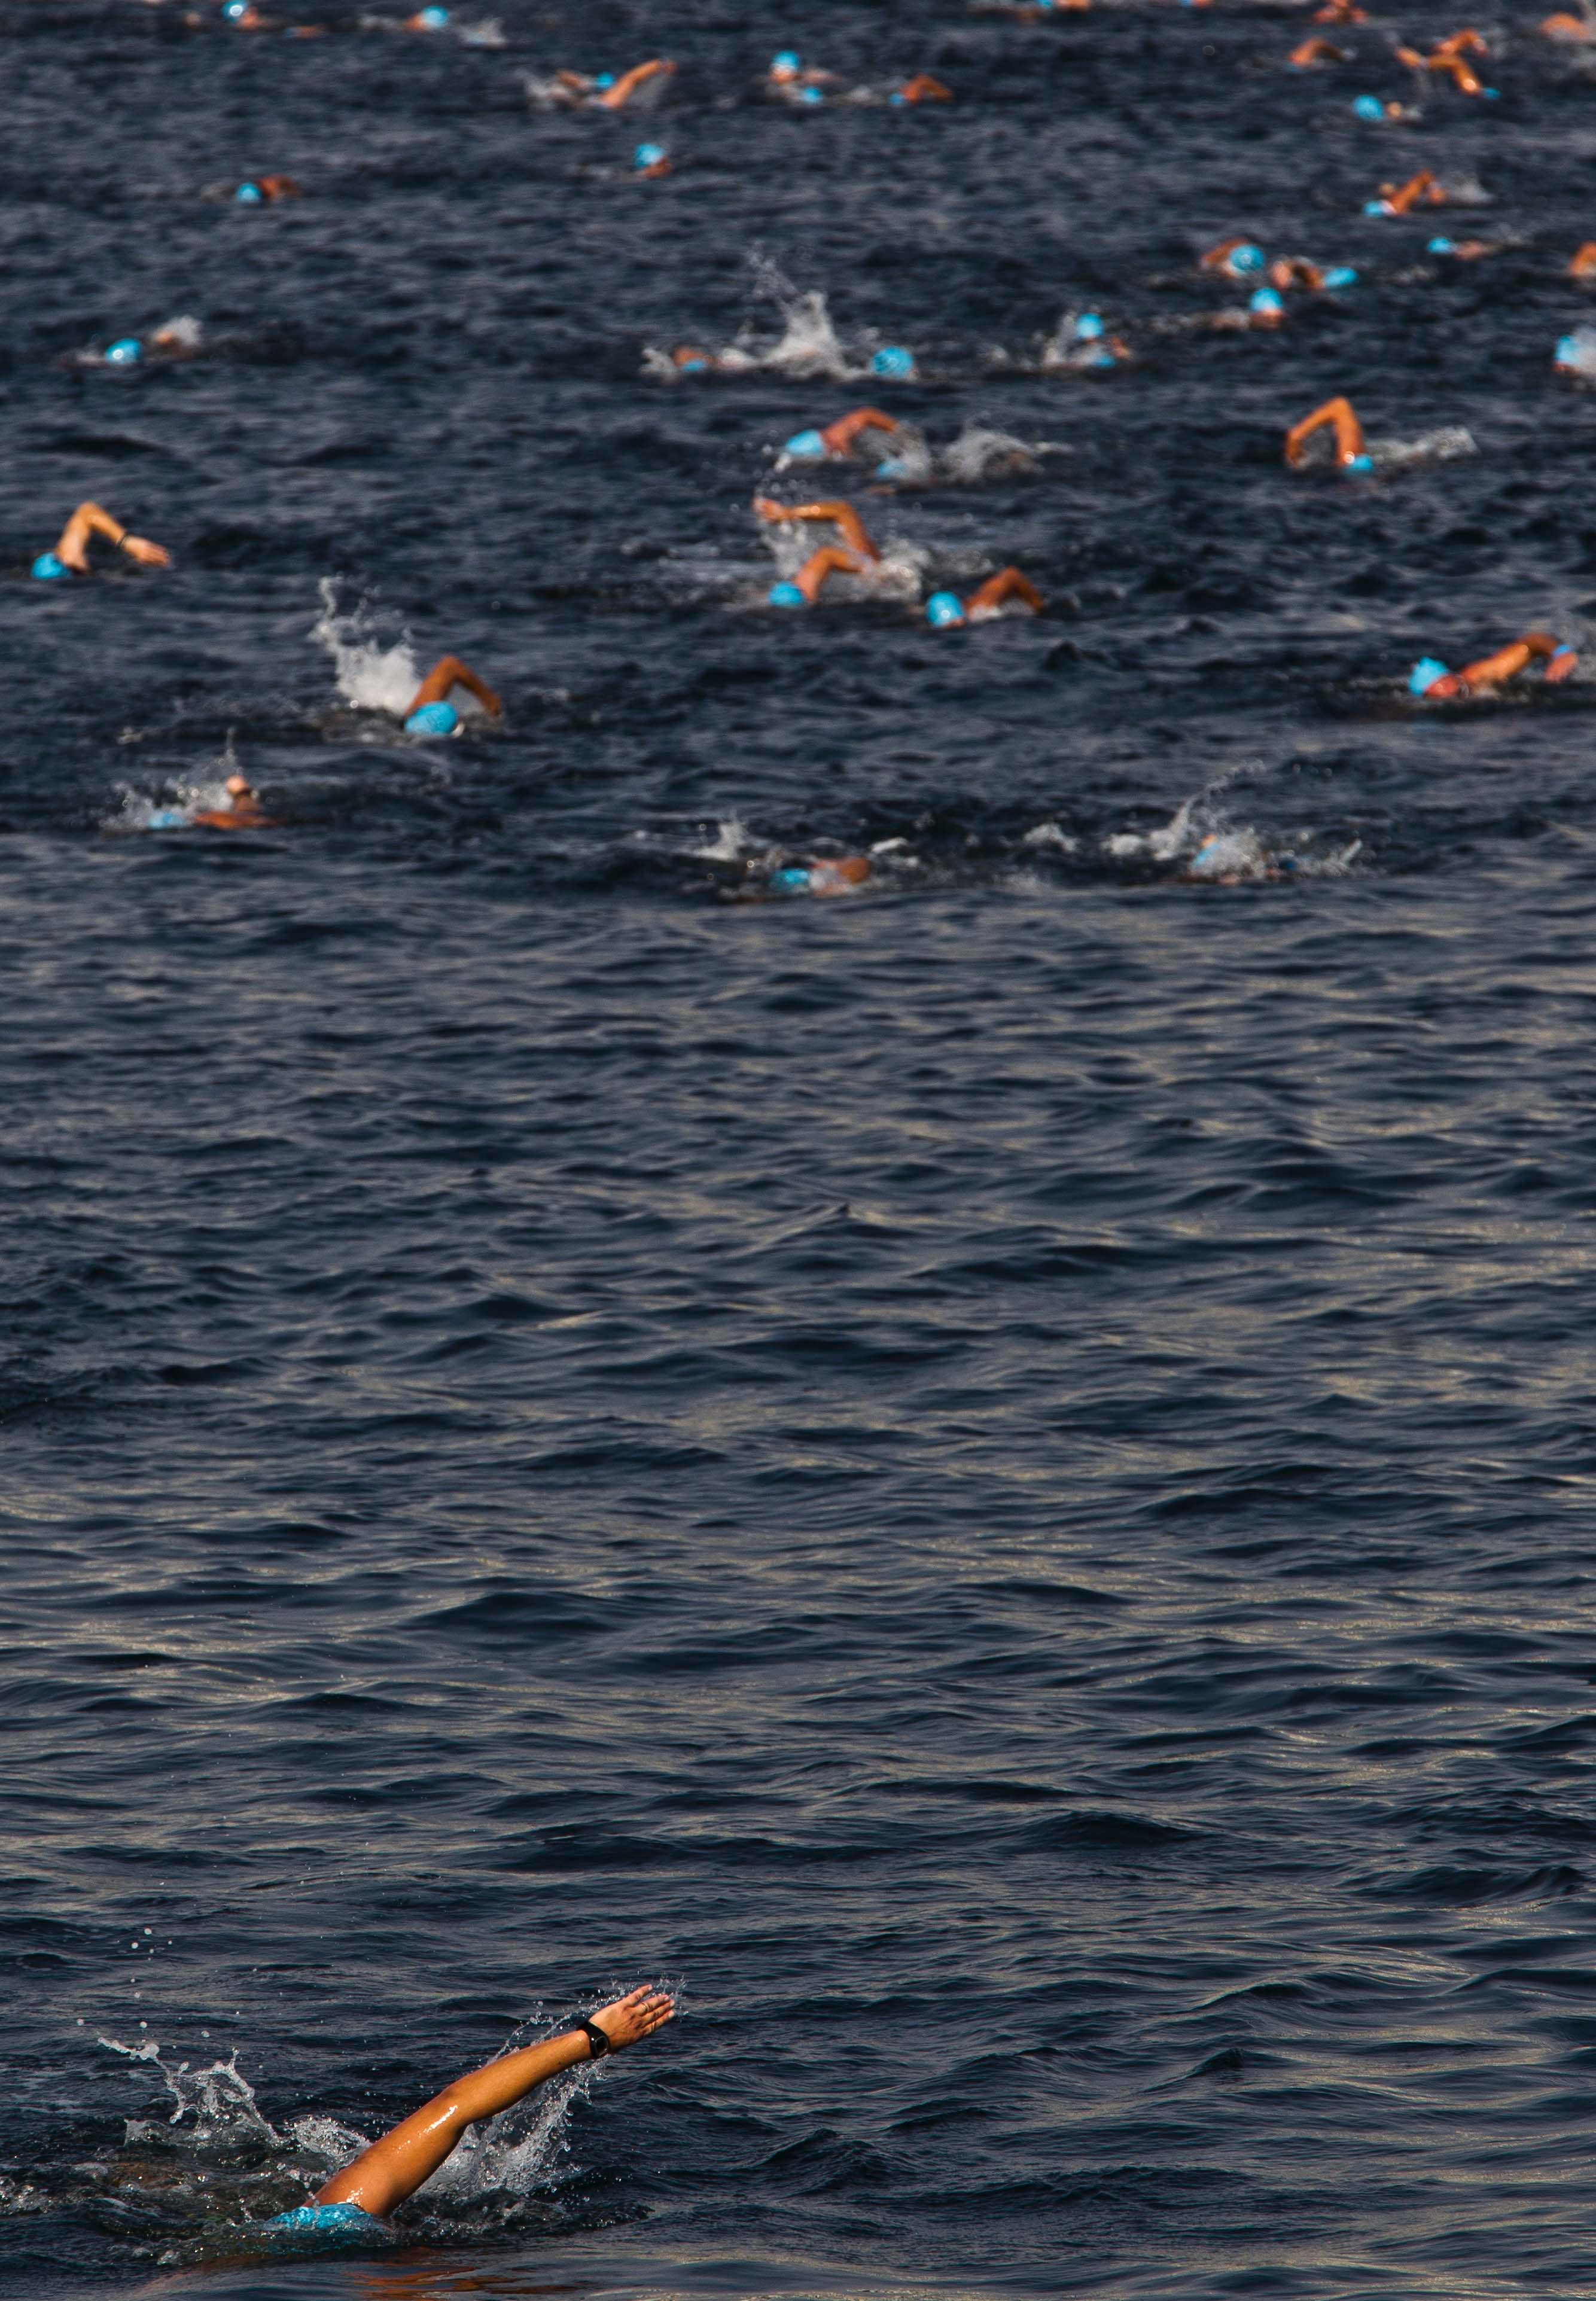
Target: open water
(993, 1478)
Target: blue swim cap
(1357, 466)
(235, 9)
(811, 95)
(1378, 208)
(1265, 299)
(167, 818)
(251, 195)
(785, 60)
(1440, 247)
(898, 96)
(894, 468)
(124, 352)
(1341, 275)
(892, 360)
(1569, 353)
(693, 367)
(1425, 674)
(791, 881)
(433, 719)
(434, 18)
(1245, 258)
(1490, 94)
(48, 569)
(603, 79)
(647, 155)
(1089, 327)
(944, 608)
(804, 443)
(1369, 107)
(785, 595)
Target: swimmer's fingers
(765, 507)
(148, 554)
(635, 2016)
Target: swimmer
(1264, 308)
(394, 2168)
(1448, 57)
(70, 555)
(1576, 355)
(1237, 259)
(1374, 107)
(789, 81)
(1435, 683)
(178, 339)
(430, 711)
(1082, 343)
(265, 191)
(651, 161)
(864, 429)
(1463, 251)
(1402, 199)
(1007, 593)
(1582, 265)
(1311, 53)
(1288, 271)
(642, 86)
(1351, 454)
(692, 359)
(856, 555)
(921, 90)
(244, 811)
(827, 875)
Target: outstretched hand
(148, 554)
(636, 2015)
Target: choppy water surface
(992, 1476)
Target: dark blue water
(993, 1478)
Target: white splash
(219, 2098)
(369, 675)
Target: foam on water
(371, 676)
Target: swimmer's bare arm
(88, 519)
(842, 516)
(1349, 432)
(841, 436)
(614, 99)
(445, 677)
(829, 560)
(998, 590)
(394, 2168)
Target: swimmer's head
(1424, 674)
(433, 719)
(791, 881)
(1441, 246)
(603, 79)
(806, 446)
(1341, 275)
(48, 569)
(811, 96)
(647, 155)
(236, 11)
(1247, 257)
(126, 352)
(251, 195)
(785, 595)
(785, 65)
(432, 20)
(1368, 107)
(893, 362)
(237, 787)
(1266, 303)
(895, 467)
(1089, 327)
(1357, 467)
(943, 610)
(1378, 208)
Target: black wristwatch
(598, 2044)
